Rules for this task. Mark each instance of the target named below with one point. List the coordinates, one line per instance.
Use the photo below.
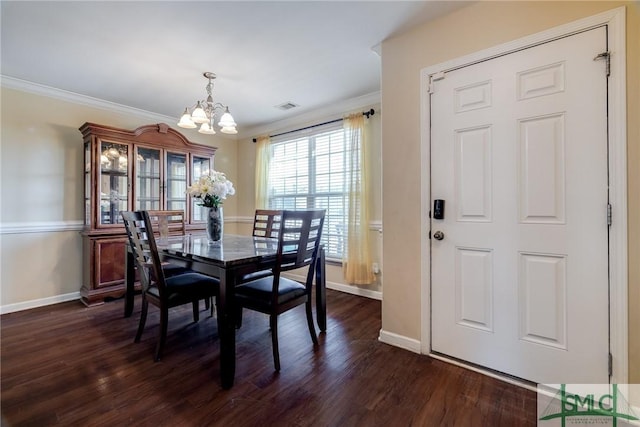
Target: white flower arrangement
(212, 189)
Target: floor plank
(68, 365)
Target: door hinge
(607, 58)
(609, 214)
(610, 365)
(434, 78)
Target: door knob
(438, 235)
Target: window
(309, 172)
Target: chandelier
(203, 113)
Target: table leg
(321, 291)
(129, 280)
(227, 330)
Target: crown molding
(330, 112)
(76, 98)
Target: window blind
(308, 171)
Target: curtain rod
(369, 113)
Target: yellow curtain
(263, 158)
(356, 262)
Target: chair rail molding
(373, 225)
(40, 227)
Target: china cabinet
(148, 168)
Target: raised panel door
(519, 275)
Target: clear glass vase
(215, 223)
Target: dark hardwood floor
(69, 365)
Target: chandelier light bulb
(204, 112)
(206, 129)
(227, 119)
(198, 115)
(185, 120)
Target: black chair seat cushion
(261, 290)
(189, 285)
(256, 275)
(173, 269)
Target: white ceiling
(151, 55)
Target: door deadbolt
(438, 235)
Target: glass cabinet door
(147, 179)
(87, 183)
(199, 166)
(114, 182)
(176, 176)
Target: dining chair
(171, 223)
(266, 223)
(157, 288)
(298, 242)
(165, 223)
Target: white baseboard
(349, 289)
(26, 305)
(401, 341)
(354, 290)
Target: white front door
(519, 156)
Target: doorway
(520, 257)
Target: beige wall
(41, 187)
(41, 192)
(473, 28)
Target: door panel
(541, 146)
(474, 288)
(519, 154)
(473, 164)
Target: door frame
(617, 148)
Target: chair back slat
(172, 220)
(300, 233)
(141, 238)
(266, 223)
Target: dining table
(228, 260)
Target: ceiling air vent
(287, 106)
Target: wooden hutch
(148, 168)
